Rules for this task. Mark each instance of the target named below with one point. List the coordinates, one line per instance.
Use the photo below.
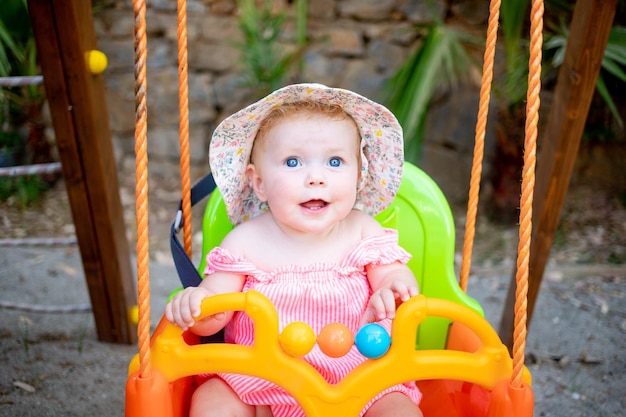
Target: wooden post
(64, 32)
(589, 34)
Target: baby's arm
(392, 284)
(184, 307)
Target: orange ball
(335, 340)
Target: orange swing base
(156, 397)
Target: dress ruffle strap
(223, 260)
(378, 250)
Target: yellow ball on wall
(96, 61)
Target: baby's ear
(256, 182)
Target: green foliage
(24, 190)
(14, 35)
(443, 58)
(18, 56)
(613, 61)
(267, 65)
(441, 61)
(9, 140)
(513, 15)
(512, 89)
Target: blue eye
(335, 162)
(292, 162)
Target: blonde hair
(307, 107)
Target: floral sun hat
(382, 152)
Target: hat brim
(381, 146)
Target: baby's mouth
(314, 204)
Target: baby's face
(307, 169)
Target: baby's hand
(383, 303)
(184, 308)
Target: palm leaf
(440, 61)
(615, 53)
(8, 47)
(604, 93)
(15, 33)
(613, 60)
(512, 16)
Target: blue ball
(372, 340)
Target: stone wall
(354, 44)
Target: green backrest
(425, 227)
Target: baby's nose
(316, 177)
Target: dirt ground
(53, 364)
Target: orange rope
(528, 184)
(479, 142)
(183, 103)
(141, 188)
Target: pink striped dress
(316, 294)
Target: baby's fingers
(368, 317)
(181, 309)
(384, 304)
(169, 315)
(195, 302)
(403, 291)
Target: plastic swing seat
(439, 339)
